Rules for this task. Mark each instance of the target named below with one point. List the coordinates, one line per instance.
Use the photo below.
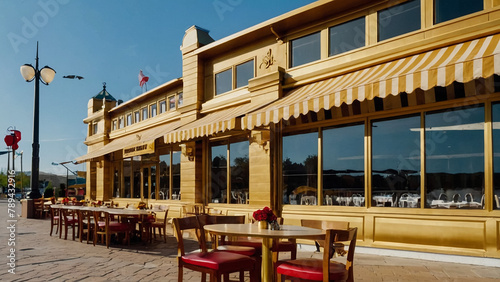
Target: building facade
(385, 114)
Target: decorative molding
(268, 60)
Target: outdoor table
(267, 235)
(140, 214)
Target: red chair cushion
(286, 246)
(311, 269)
(242, 250)
(225, 262)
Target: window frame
(233, 71)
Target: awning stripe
(463, 62)
(131, 139)
(217, 121)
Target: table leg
(267, 273)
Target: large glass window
(300, 169)
(244, 72)
(144, 113)
(496, 155)
(164, 172)
(343, 166)
(176, 175)
(117, 191)
(305, 49)
(163, 106)
(129, 119)
(454, 141)
(347, 36)
(236, 156)
(445, 10)
(136, 174)
(399, 19)
(396, 162)
(137, 116)
(223, 82)
(239, 163)
(127, 179)
(153, 110)
(171, 103)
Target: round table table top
(286, 231)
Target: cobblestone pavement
(40, 257)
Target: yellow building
(381, 113)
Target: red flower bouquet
(265, 214)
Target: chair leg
(179, 273)
(164, 233)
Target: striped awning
(132, 139)
(462, 63)
(214, 122)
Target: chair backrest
(324, 225)
(38, 204)
(188, 223)
(205, 219)
(332, 238)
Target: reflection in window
(152, 182)
(223, 82)
(343, 166)
(239, 172)
(176, 175)
(496, 155)
(164, 172)
(163, 106)
(127, 179)
(347, 36)
(218, 174)
(180, 99)
(153, 110)
(305, 49)
(120, 122)
(300, 169)
(244, 72)
(399, 19)
(454, 142)
(445, 10)
(136, 174)
(145, 182)
(171, 103)
(117, 180)
(396, 162)
(115, 123)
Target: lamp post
(45, 75)
(67, 171)
(22, 178)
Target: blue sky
(103, 41)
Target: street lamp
(45, 75)
(22, 178)
(67, 170)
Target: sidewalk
(40, 257)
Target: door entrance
(149, 182)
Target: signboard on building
(137, 150)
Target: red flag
(142, 78)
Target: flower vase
(262, 224)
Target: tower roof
(104, 94)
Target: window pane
(300, 168)
(116, 180)
(164, 172)
(180, 99)
(454, 141)
(145, 114)
(347, 36)
(305, 49)
(129, 119)
(114, 124)
(176, 175)
(218, 174)
(127, 180)
(153, 110)
(244, 72)
(171, 103)
(223, 82)
(145, 182)
(120, 120)
(152, 191)
(136, 165)
(496, 155)
(239, 172)
(163, 107)
(446, 10)
(343, 166)
(399, 19)
(137, 116)
(396, 162)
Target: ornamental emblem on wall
(268, 60)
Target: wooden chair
(55, 216)
(68, 218)
(311, 269)
(86, 225)
(213, 263)
(104, 227)
(39, 208)
(280, 246)
(160, 225)
(324, 224)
